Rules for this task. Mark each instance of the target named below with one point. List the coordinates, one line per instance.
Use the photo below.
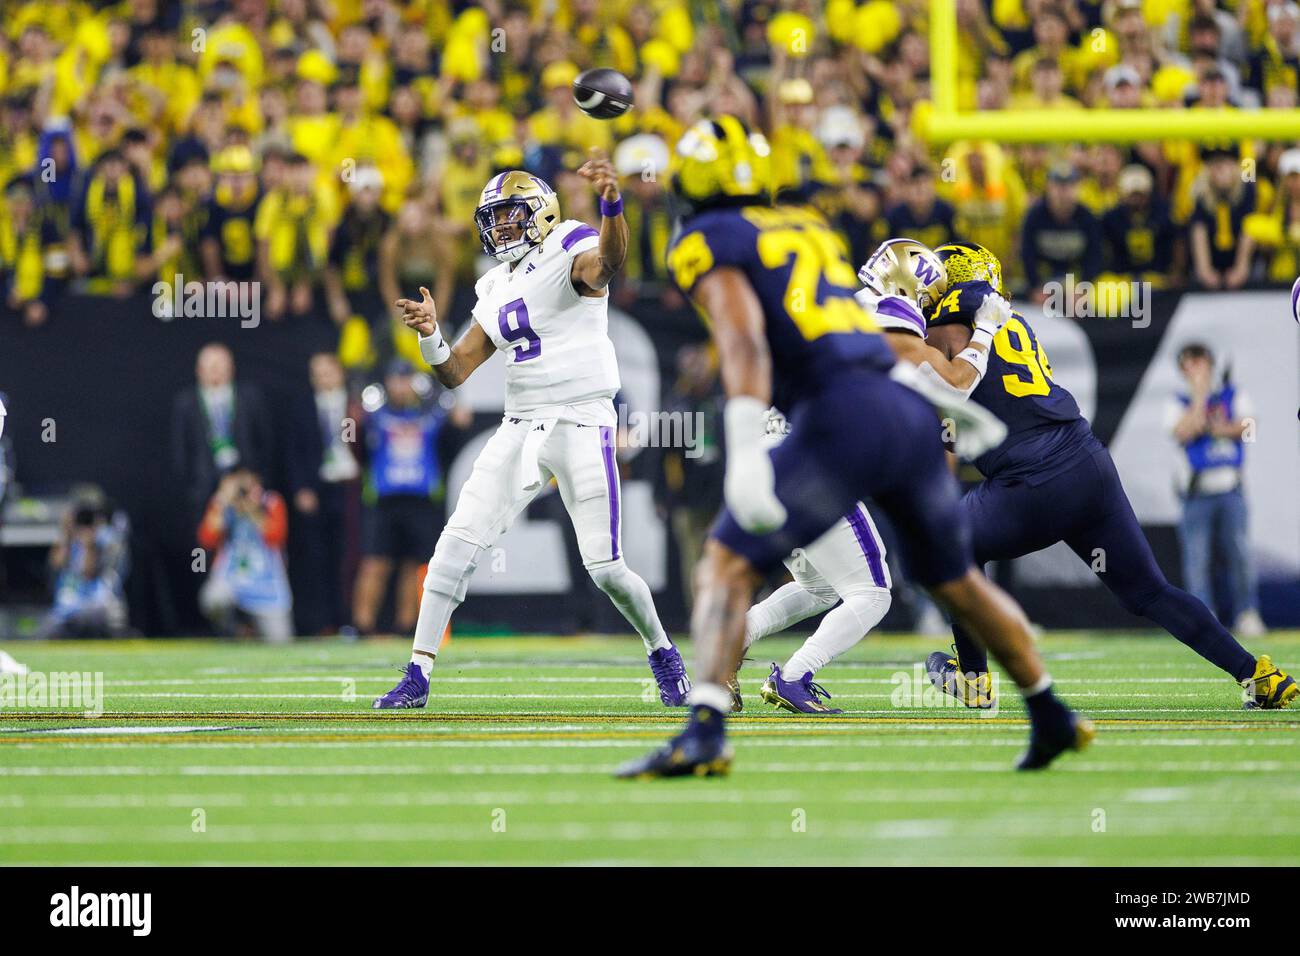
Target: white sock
(423, 661)
(710, 695)
(839, 630)
(631, 595)
(787, 605)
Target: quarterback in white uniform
(546, 307)
(846, 564)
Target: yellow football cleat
(733, 685)
(973, 690)
(1270, 687)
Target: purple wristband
(611, 209)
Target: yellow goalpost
(945, 123)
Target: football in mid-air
(602, 93)
(1295, 300)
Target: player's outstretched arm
(749, 487)
(962, 356)
(594, 269)
(961, 376)
(451, 364)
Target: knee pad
(610, 576)
(451, 567)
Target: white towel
(530, 472)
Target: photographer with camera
(89, 566)
(246, 525)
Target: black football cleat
(1045, 745)
(701, 750)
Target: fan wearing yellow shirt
(988, 196)
(172, 87)
(481, 102)
(1051, 42)
(799, 161)
(35, 64)
(1047, 89)
(365, 138)
(313, 129)
(1100, 190)
(460, 182)
(292, 233)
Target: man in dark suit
(217, 426)
(323, 472)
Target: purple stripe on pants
(868, 543)
(611, 483)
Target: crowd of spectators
(334, 149)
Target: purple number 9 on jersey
(513, 320)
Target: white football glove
(992, 314)
(974, 430)
(750, 484)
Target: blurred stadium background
(1133, 162)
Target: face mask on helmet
(506, 229)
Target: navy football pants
(1086, 507)
(864, 436)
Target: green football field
(225, 753)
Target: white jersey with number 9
(556, 341)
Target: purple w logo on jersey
(926, 272)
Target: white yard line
(225, 695)
(743, 767)
(389, 678)
(618, 795)
(754, 740)
(1058, 826)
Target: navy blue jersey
(1043, 421)
(798, 268)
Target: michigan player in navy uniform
(777, 291)
(1051, 480)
